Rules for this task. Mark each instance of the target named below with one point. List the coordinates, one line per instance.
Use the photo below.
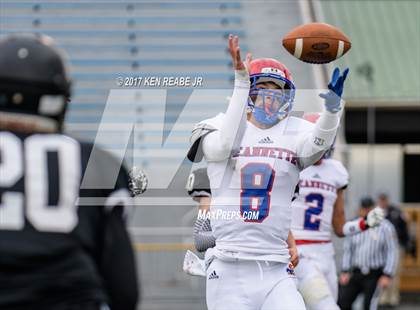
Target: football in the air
(316, 43)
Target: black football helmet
(34, 78)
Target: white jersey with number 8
(252, 191)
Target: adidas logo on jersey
(316, 176)
(266, 140)
(213, 275)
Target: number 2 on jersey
(256, 184)
(318, 201)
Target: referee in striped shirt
(369, 262)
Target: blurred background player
(390, 296)
(247, 180)
(199, 189)
(370, 261)
(317, 210)
(54, 254)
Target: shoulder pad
(341, 173)
(296, 125)
(195, 153)
(301, 123)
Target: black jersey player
(62, 246)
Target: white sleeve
(217, 145)
(312, 145)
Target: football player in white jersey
(198, 186)
(254, 160)
(318, 209)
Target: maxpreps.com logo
(227, 215)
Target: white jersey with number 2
(312, 211)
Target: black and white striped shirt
(374, 248)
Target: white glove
(193, 265)
(375, 217)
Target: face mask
(262, 117)
(269, 105)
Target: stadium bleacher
(106, 40)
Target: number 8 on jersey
(256, 184)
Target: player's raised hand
(235, 53)
(336, 87)
(337, 81)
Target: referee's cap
(367, 202)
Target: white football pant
(317, 276)
(251, 285)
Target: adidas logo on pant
(213, 275)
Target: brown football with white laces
(316, 43)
